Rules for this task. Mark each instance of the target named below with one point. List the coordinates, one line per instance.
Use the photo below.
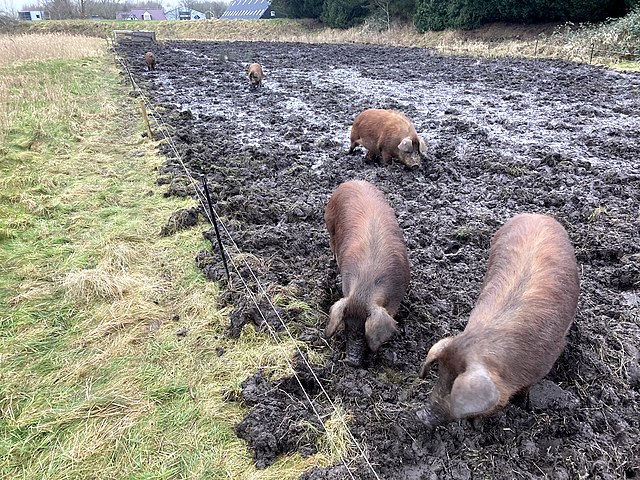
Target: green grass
(94, 381)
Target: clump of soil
(267, 400)
(180, 220)
(506, 136)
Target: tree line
(425, 14)
(441, 14)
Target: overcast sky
(15, 5)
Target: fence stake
(591, 55)
(215, 226)
(143, 108)
(535, 53)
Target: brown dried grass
(46, 46)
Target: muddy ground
(505, 136)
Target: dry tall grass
(16, 87)
(46, 46)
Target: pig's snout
(432, 416)
(412, 161)
(355, 352)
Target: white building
(33, 15)
(182, 13)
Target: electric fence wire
(163, 128)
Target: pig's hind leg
(521, 399)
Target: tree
(403, 9)
(431, 15)
(384, 8)
(214, 8)
(58, 9)
(344, 13)
(102, 8)
(298, 8)
(441, 14)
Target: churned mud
(505, 136)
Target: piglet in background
(150, 60)
(255, 74)
(517, 328)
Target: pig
(388, 133)
(255, 74)
(369, 248)
(516, 330)
(150, 60)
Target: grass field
(94, 381)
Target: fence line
(162, 127)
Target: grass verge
(94, 380)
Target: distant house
(182, 13)
(141, 14)
(33, 15)
(248, 9)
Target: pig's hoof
(429, 418)
(353, 362)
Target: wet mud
(505, 136)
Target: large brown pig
(255, 74)
(372, 257)
(388, 133)
(150, 60)
(517, 328)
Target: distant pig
(388, 133)
(372, 257)
(150, 60)
(516, 330)
(254, 71)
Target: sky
(14, 5)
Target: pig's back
(529, 295)
(367, 241)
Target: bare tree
(57, 9)
(213, 8)
(384, 7)
(8, 9)
(103, 8)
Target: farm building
(248, 9)
(33, 15)
(182, 13)
(141, 14)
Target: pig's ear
(473, 393)
(379, 328)
(423, 147)
(434, 353)
(406, 145)
(335, 317)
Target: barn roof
(245, 9)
